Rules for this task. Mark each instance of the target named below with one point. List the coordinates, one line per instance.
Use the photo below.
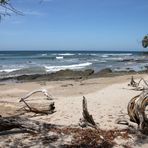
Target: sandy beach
(107, 100)
(73, 74)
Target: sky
(75, 25)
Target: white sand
(107, 99)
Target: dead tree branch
(137, 106)
(137, 110)
(44, 91)
(45, 110)
(136, 85)
(8, 123)
(87, 119)
(7, 8)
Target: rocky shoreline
(68, 75)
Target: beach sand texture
(107, 100)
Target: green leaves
(145, 41)
(4, 2)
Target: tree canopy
(145, 41)
(6, 8)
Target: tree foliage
(145, 41)
(6, 8)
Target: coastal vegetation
(7, 8)
(145, 41)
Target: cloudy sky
(75, 25)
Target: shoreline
(67, 74)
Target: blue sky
(75, 25)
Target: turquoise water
(29, 62)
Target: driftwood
(137, 110)
(137, 106)
(132, 82)
(8, 123)
(44, 91)
(87, 119)
(136, 85)
(44, 110)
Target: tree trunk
(87, 119)
(38, 110)
(137, 110)
(8, 123)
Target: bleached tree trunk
(137, 109)
(45, 109)
(8, 123)
(87, 119)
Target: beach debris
(41, 134)
(132, 82)
(137, 110)
(42, 90)
(125, 121)
(25, 124)
(39, 110)
(138, 86)
(137, 107)
(87, 119)
(42, 110)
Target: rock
(59, 75)
(105, 71)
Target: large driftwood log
(87, 119)
(40, 110)
(137, 106)
(8, 123)
(137, 110)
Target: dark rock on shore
(106, 70)
(60, 75)
(69, 75)
(103, 72)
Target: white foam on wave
(59, 58)
(45, 54)
(66, 54)
(117, 54)
(115, 59)
(72, 67)
(8, 70)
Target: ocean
(33, 62)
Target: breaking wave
(116, 54)
(72, 67)
(59, 58)
(66, 54)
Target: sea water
(32, 62)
